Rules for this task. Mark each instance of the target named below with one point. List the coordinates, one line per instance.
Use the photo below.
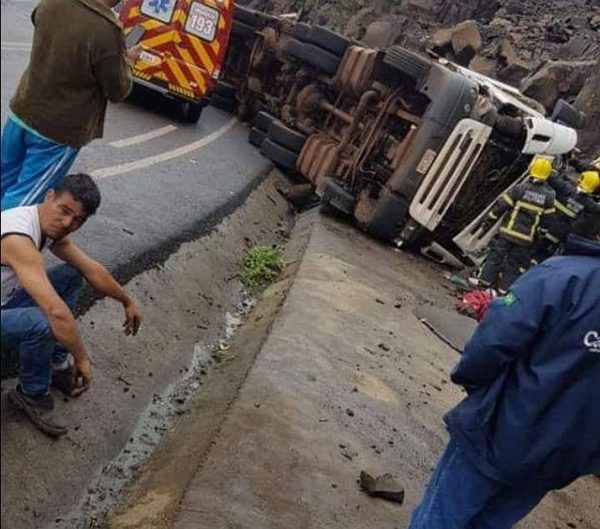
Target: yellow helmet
(589, 181)
(540, 169)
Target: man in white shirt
(37, 305)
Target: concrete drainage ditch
(158, 399)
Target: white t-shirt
(23, 220)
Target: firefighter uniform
(523, 206)
(575, 208)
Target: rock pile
(546, 47)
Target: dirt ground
(347, 379)
(192, 302)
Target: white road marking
(140, 138)
(164, 156)
(15, 46)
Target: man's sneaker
(40, 410)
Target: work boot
(40, 410)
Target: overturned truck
(414, 148)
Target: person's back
(77, 63)
(531, 421)
(531, 200)
(538, 424)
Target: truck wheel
(279, 155)
(317, 57)
(256, 137)
(191, 111)
(227, 104)
(328, 40)
(406, 62)
(262, 121)
(225, 89)
(301, 31)
(289, 138)
(250, 17)
(338, 198)
(244, 31)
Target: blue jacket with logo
(532, 373)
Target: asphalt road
(162, 181)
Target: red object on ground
(476, 303)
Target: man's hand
(81, 376)
(133, 53)
(133, 318)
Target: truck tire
(256, 137)
(334, 196)
(262, 121)
(250, 17)
(227, 104)
(242, 30)
(279, 155)
(301, 31)
(225, 89)
(286, 137)
(191, 111)
(328, 40)
(406, 62)
(316, 57)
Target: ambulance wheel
(228, 104)
(191, 111)
(286, 137)
(279, 155)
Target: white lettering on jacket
(592, 341)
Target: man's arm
(19, 252)
(504, 202)
(99, 278)
(506, 333)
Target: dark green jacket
(78, 62)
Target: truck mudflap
(474, 241)
(447, 173)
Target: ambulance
(184, 43)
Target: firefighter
(525, 205)
(575, 208)
(587, 223)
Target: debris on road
(383, 486)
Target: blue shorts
(31, 165)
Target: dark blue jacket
(532, 373)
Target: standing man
(524, 206)
(531, 420)
(37, 306)
(78, 62)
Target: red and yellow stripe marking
(184, 61)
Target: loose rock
(383, 486)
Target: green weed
(261, 265)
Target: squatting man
(37, 304)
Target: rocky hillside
(548, 48)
